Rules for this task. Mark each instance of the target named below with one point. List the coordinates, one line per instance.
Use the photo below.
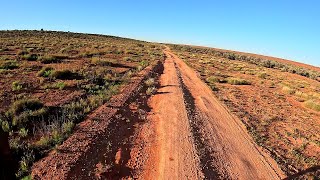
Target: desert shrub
(63, 74)
(127, 59)
(59, 85)
(132, 52)
(29, 177)
(269, 64)
(30, 57)
(212, 79)
(24, 110)
(53, 133)
(140, 45)
(25, 105)
(144, 63)
(231, 56)
(16, 86)
(263, 75)
(9, 65)
(101, 62)
(45, 72)
(22, 52)
(238, 81)
(23, 132)
(288, 90)
(149, 82)
(312, 105)
(301, 94)
(47, 59)
(25, 164)
(67, 127)
(5, 126)
(43, 143)
(91, 52)
(151, 90)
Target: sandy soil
(197, 137)
(175, 154)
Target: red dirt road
(180, 132)
(197, 137)
(176, 152)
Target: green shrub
(25, 164)
(288, 90)
(30, 57)
(5, 126)
(149, 82)
(302, 94)
(144, 63)
(312, 105)
(16, 86)
(101, 62)
(67, 127)
(263, 75)
(212, 79)
(63, 74)
(29, 177)
(23, 110)
(238, 81)
(43, 143)
(57, 137)
(25, 105)
(47, 59)
(151, 90)
(59, 85)
(45, 72)
(9, 65)
(23, 132)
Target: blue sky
(281, 28)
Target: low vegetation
(63, 74)
(48, 59)
(30, 57)
(45, 72)
(23, 111)
(312, 105)
(238, 81)
(279, 109)
(50, 81)
(9, 65)
(259, 61)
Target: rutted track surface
(181, 132)
(221, 149)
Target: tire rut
(221, 136)
(195, 120)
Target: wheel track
(204, 152)
(234, 152)
(186, 133)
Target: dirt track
(197, 137)
(181, 132)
